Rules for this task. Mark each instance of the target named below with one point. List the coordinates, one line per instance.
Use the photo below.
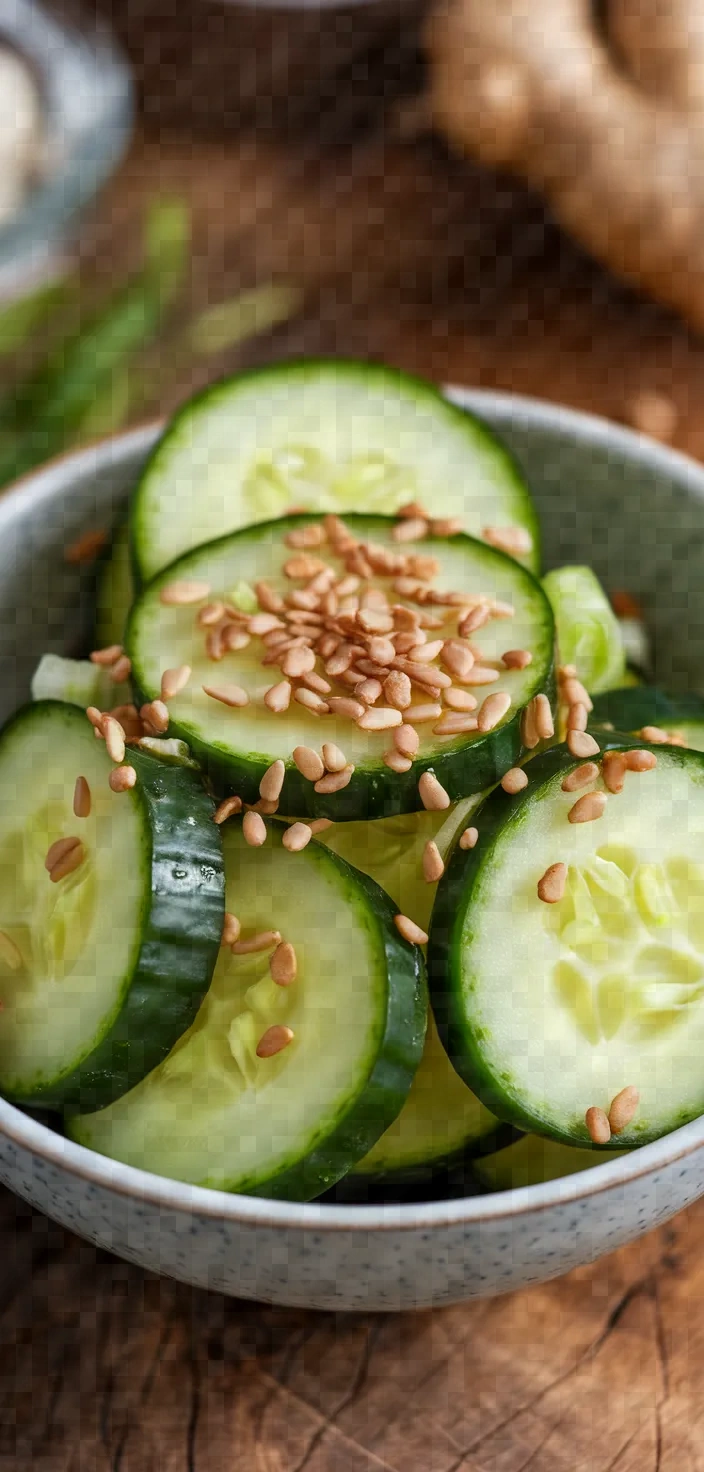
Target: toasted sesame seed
(474, 619)
(368, 691)
(493, 710)
(213, 613)
(372, 671)
(263, 623)
(156, 715)
(316, 683)
(517, 659)
(121, 779)
(421, 715)
(234, 638)
(274, 1040)
(405, 619)
(432, 794)
(278, 697)
(424, 674)
(298, 661)
(174, 681)
(433, 864)
(500, 609)
(318, 825)
(283, 964)
(10, 953)
(347, 586)
(215, 644)
(185, 590)
(542, 716)
(312, 702)
(411, 510)
(514, 540)
(69, 860)
(588, 808)
(106, 657)
(577, 717)
(423, 567)
(566, 672)
(580, 777)
(262, 805)
(397, 690)
(574, 693)
(268, 599)
(304, 537)
(426, 651)
(529, 734)
(457, 658)
(121, 670)
(581, 744)
(304, 567)
(655, 735)
(482, 675)
(308, 763)
(272, 782)
(410, 529)
(381, 649)
(410, 931)
(551, 887)
(230, 695)
(344, 705)
(81, 798)
(58, 850)
(114, 738)
(396, 762)
(405, 642)
(460, 700)
(297, 837)
(95, 717)
(469, 838)
(380, 718)
(623, 1109)
(254, 829)
(641, 761)
(226, 808)
(598, 1126)
(262, 941)
(231, 929)
(446, 526)
(613, 770)
(375, 621)
(455, 723)
(406, 740)
(333, 758)
(86, 548)
(335, 781)
(514, 780)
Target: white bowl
(634, 511)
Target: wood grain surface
(406, 254)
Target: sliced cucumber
(588, 631)
(236, 746)
(77, 681)
(216, 1114)
(334, 435)
(530, 1161)
(441, 1119)
(550, 1009)
(101, 971)
(632, 708)
(115, 591)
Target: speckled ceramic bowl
(607, 497)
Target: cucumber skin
(444, 948)
(176, 958)
(457, 1164)
(400, 1052)
(633, 706)
(356, 368)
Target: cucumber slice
(334, 435)
(115, 591)
(531, 1161)
(116, 956)
(588, 631)
(633, 707)
(236, 746)
(290, 1125)
(441, 1120)
(77, 681)
(550, 1009)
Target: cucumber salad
(357, 856)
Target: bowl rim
(55, 1150)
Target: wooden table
(409, 255)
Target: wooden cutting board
(409, 255)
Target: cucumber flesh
(334, 435)
(116, 956)
(550, 1009)
(588, 631)
(115, 591)
(631, 708)
(237, 745)
(78, 682)
(216, 1114)
(531, 1161)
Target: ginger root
(605, 118)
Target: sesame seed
(580, 777)
(423, 714)
(460, 700)
(551, 887)
(641, 761)
(95, 717)
(432, 794)
(368, 691)
(514, 780)
(469, 838)
(335, 781)
(574, 693)
(514, 540)
(215, 644)
(529, 734)
(230, 695)
(406, 740)
(517, 659)
(231, 929)
(623, 1109)
(412, 510)
(447, 526)
(410, 931)
(227, 808)
(70, 860)
(588, 808)
(156, 715)
(263, 623)
(482, 675)
(655, 735)
(262, 941)
(474, 619)
(426, 651)
(581, 744)
(410, 529)
(213, 613)
(375, 621)
(81, 798)
(174, 681)
(274, 1040)
(297, 837)
(304, 567)
(598, 1126)
(613, 770)
(254, 829)
(577, 717)
(186, 590)
(333, 758)
(457, 658)
(424, 674)
(380, 718)
(396, 762)
(316, 683)
(10, 954)
(262, 805)
(493, 710)
(234, 638)
(114, 738)
(58, 850)
(308, 763)
(312, 702)
(106, 657)
(397, 690)
(381, 649)
(298, 661)
(121, 779)
(455, 723)
(344, 705)
(283, 965)
(278, 697)
(423, 567)
(304, 537)
(121, 670)
(433, 865)
(542, 716)
(272, 782)
(318, 825)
